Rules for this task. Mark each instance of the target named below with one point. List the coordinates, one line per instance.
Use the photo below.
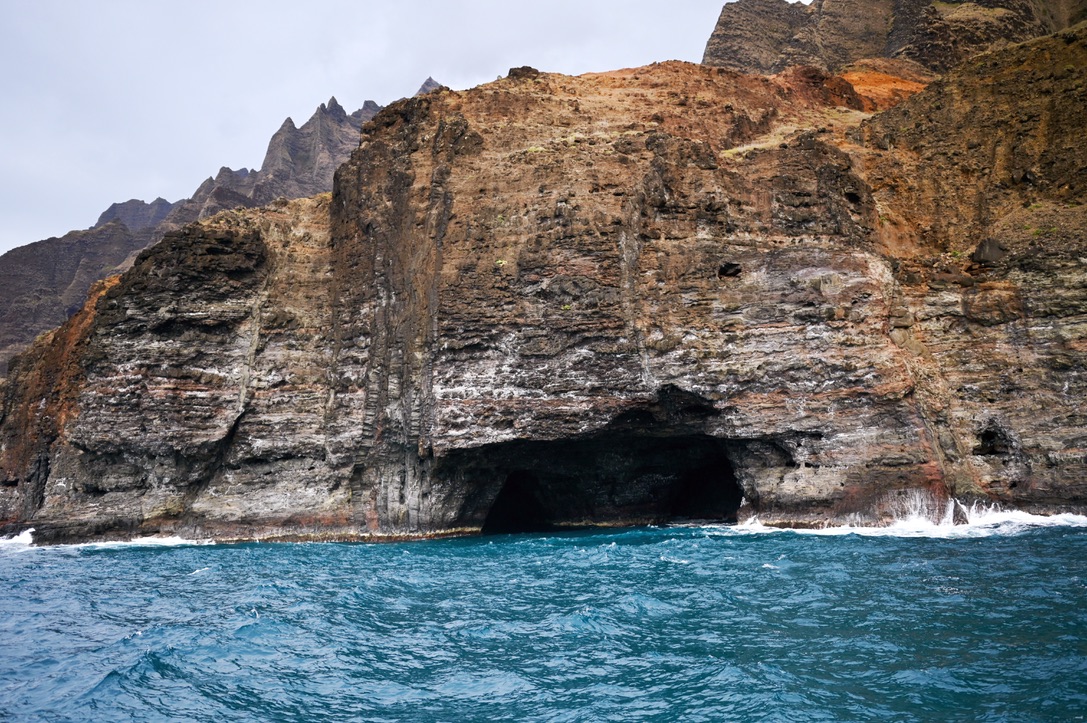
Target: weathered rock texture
(996, 325)
(765, 36)
(640, 296)
(45, 282)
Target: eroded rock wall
(659, 293)
(989, 230)
(765, 36)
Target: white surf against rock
(23, 539)
(917, 519)
(26, 539)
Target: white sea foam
(23, 539)
(143, 542)
(981, 521)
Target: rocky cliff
(663, 293)
(765, 36)
(136, 215)
(47, 281)
(43, 283)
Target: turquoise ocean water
(912, 623)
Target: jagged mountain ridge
(765, 36)
(46, 281)
(615, 298)
(299, 162)
(135, 214)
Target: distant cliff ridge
(136, 215)
(765, 36)
(43, 283)
(665, 293)
(299, 162)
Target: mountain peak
(333, 107)
(428, 86)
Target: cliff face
(765, 36)
(653, 294)
(47, 281)
(990, 230)
(43, 283)
(136, 214)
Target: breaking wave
(23, 539)
(920, 515)
(26, 539)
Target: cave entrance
(611, 479)
(709, 492)
(517, 507)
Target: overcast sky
(109, 100)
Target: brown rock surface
(659, 293)
(765, 36)
(44, 282)
(1000, 313)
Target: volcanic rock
(765, 36)
(137, 215)
(428, 85)
(299, 162)
(665, 293)
(43, 283)
(46, 281)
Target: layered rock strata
(657, 294)
(766, 36)
(45, 282)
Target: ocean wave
(142, 542)
(23, 539)
(981, 521)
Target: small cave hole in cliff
(993, 441)
(729, 271)
(613, 479)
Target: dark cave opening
(517, 507)
(993, 441)
(709, 492)
(612, 479)
(729, 270)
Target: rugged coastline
(655, 294)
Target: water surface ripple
(693, 624)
